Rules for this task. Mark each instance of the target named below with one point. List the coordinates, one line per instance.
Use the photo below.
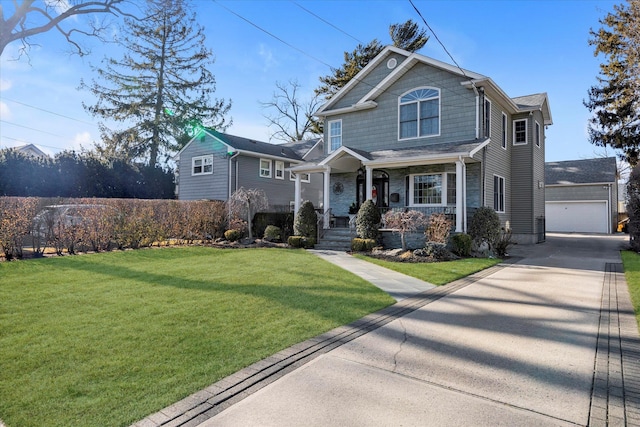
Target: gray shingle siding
(210, 187)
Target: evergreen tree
(162, 86)
(406, 36)
(615, 101)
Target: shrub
(503, 242)
(368, 220)
(484, 227)
(404, 222)
(461, 244)
(362, 245)
(232, 235)
(282, 220)
(306, 220)
(272, 233)
(301, 242)
(437, 250)
(438, 229)
(633, 208)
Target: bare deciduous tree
(291, 117)
(28, 18)
(246, 203)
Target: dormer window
(419, 113)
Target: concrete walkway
(399, 286)
(548, 340)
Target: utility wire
(33, 143)
(47, 111)
(30, 128)
(327, 22)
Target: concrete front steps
(336, 239)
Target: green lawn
(106, 339)
(438, 273)
(631, 262)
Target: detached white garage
(581, 196)
(578, 217)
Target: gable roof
(474, 81)
(30, 150)
(589, 171)
(293, 151)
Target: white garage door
(577, 217)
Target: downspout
(475, 90)
(609, 214)
(229, 193)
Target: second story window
(504, 131)
(520, 132)
(335, 135)
(265, 168)
(279, 169)
(202, 165)
(419, 113)
(487, 118)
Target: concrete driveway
(548, 340)
(515, 348)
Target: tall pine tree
(408, 36)
(615, 101)
(161, 88)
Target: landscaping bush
(362, 245)
(282, 220)
(503, 242)
(404, 222)
(368, 221)
(232, 235)
(461, 244)
(16, 214)
(306, 221)
(437, 251)
(484, 227)
(301, 242)
(438, 229)
(633, 208)
(272, 233)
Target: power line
(327, 22)
(48, 111)
(33, 143)
(30, 128)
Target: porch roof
(399, 157)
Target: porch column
(298, 194)
(460, 209)
(369, 183)
(326, 193)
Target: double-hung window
(487, 118)
(419, 113)
(265, 168)
(202, 165)
(432, 189)
(504, 131)
(335, 135)
(498, 193)
(279, 169)
(520, 132)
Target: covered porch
(430, 180)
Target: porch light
(360, 171)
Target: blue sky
(526, 47)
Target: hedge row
(104, 224)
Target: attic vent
(391, 64)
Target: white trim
(400, 104)
(203, 165)
(443, 190)
(339, 151)
(293, 176)
(351, 108)
(504, 137)
(261, 169)
(279, 169)
(526, 131)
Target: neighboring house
(412, 132)
(582, 195)
(213, 165)
(31, 150)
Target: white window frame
(265, 172)
(501, 201)
(505, 122)
(304, 177)
(443, 194)
(537, 134)
(418, 101)
(526, 132)
(279, 169)
(206, 162)
(487, 117)
(337, 136)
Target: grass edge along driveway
(106, 339)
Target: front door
(379, 191)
